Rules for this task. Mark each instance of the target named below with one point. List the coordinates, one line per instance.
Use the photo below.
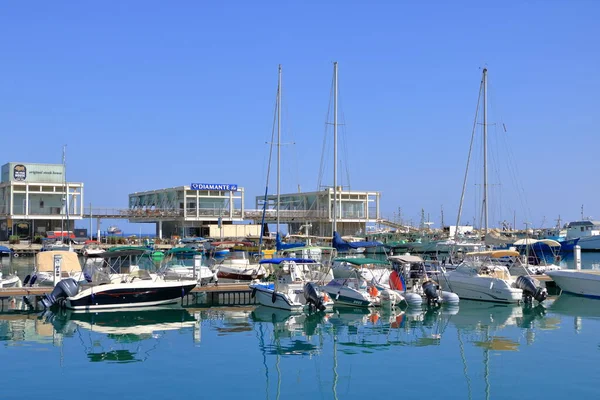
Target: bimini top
(4, 249)
(495, 253)
(119, 254)
(45, 261)
(287, 259)
(406, 259)
(183, 250)
(530, 242)
(361, 261)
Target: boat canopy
(126, 248)
(342, 245)
(406, 259)
(4, 249)
(118, 254)
(183, 250)
(495, 253)
(44, 261)
(287, 259)
(530, 242)
(361, 261)
(279, 245)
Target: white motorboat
(237, 267)
(291, 290)
(538, 256)
(371, 270)
(352, 292)
(186, 263)
(486, 276)
(580, 282)
(411, 279)
(11, 279)
(91, 248)
(53, 265)
(117, 284)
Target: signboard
(34, 173)
(19, 172)
(214, 186)
(57, 265)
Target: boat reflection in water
(577, 307)
(121, 336)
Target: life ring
(16, 255)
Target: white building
(35, 198)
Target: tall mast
(278, 144)
(485, 184)
(335, 124)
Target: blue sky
(150, 94)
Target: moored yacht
(486, 276)
(292, 290)
(117, 283)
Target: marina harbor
(299, 200)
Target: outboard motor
(313, 297)
(531, 288)
(430, 290)
(63, 289)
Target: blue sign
(214, 186)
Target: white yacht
(237, 267)
(486, 276)
(187, 263)
(292, 290)
(580, 282)
(371, 270)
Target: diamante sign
(214, 186)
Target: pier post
(577, 256)
(160, 228)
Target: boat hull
(124, 295)
(480, 288)
(342, 295)
(264, 296)
(589, 243)
(581, 283)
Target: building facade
(188, 211)
(312, 212)
(35, 199)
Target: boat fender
(26, 280)
(182, 292)
(33, 279)
(274, 297)
(253, 294)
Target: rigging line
(462, 196)
(322, 163)
(264, 210)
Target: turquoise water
(481, 350)
(478, 351)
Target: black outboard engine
(431, 291)
(63, 289)
(531, 288)
(313, 297)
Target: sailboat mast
(335, 125)
(485, 183)
(278, 145)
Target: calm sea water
(478, 351)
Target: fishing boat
(291, 290)
(118, 282)
(486, 276)
(588, 233)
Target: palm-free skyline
(150, 95)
